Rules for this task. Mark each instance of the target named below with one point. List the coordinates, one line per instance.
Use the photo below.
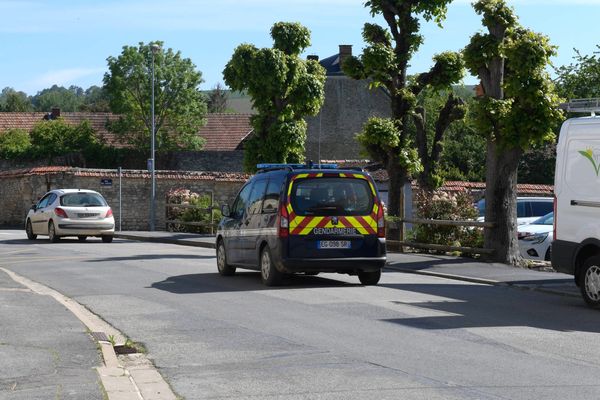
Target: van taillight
(60, 212)
(380, 221)
(283, 224)
(554, 221)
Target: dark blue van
(292, 218)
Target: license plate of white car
(334, 244)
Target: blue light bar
(296, 166)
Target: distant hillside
(237, 102)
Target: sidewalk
(458, 268)
(45, 351)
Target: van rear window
(331, 196)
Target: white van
(576, 246)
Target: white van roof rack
(591, 105)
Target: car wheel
(81, 238)
(369, 277)
(269, 274)
(52, 233)
(589, 281)
(29, 231)
(107, 238)
(224, 268)
(548, 256)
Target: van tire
(589, 281)
(269, 274)
(369, 277)
(224, 268)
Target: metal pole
(152, 167)
(120, 197)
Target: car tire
(589, 281)
(369, 277)
(269, 274)
(222, 266)
(52, 233)
(107, 238)
(548, 256)
(29, 231)
(82, 238)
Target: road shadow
(240, 282)
(153, 257)
(477, 306)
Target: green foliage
(54, 138)
(201, 214)
(580, 79)
(443, 206)
(14, 143)
(284, 89)
(179, 104)
(95, 99)
(13, 101)
(68, 100)
(449, 68)
(528, 112)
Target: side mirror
(33, 207)
(225, 211)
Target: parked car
(303, 218)
(576, 246)
(529, 209)
(71, 212)
(535, 239)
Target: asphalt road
(324, 337)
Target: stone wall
(207, 160)
(20, 189)
(348, 105)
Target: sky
(67, 42)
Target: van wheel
(589, 281)
(269, 274)
(29, 231)
(52, 233)
(224, 268)
(369, 277)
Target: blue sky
(67, 42)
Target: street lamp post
(155, 48)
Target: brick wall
(19, 189)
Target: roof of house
(332, 65)
(223, 132)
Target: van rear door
(332, 215)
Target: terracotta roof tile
(223, 132)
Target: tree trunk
(501, 203)
(396, 185)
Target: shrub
(202, 214)
(14, 143)
(443, 206)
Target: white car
(529, 209)
(535, 239)
(71, 212)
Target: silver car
(71, 212)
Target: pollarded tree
(519, 109)
(385, 61)
(178, 103)
(284, 89)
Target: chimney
(345, 52)
(312, 57)
(55, 113)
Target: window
(82, 199)
(241, 202)
(332, 196)
(256, 197)
(45, 201)
(522, 209)
(271, 202)
(539, 208)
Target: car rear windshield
(82, 199)
(332, 196)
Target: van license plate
(334, 244)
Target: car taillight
(109, 213)
(284, 224)
(380, 221)
(60, 212)
(554, 221)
